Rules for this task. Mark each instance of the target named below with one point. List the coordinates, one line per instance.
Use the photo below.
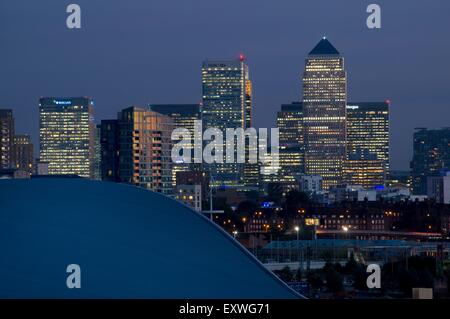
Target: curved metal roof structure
(128, 242)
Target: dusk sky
(137, 52)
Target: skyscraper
(251, 170)
(368, 129)
(109, 150)
(431, 156)
(183, 116)
(367, 143)
(145, 149)
(97, 157)
(6, 139)
(324, 107)
(226, 104)
(248, 103)
(290, 125)
(66, 134)
(23, 153)
(364, 169)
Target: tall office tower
(97, 158)
(269, 172)
(183, 116)
(251, 170)
(145, 149)
(109, 146)
(368, 130)
(431, 156)
(251, 176)
(290, 125)
(23, 153)
(324, 108)
(225, 105)
(66, 135)
(364, 169)
(6, 139)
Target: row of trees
(397, 277)
(331, 276)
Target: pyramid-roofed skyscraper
(324, 107)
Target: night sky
(139, 51)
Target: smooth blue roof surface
(129, 243)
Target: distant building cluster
(431, 164)
(330, 148)
(16, 151)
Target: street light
(297, 230)
(345, 229)
(235, 233)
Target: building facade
(195, 178)
(438, 188)
(191, 195)
(431, 155)
(226, 91)
(23, 153)
(6, 139)
(97, 157)
(145, 149)
(109, 150)
(292, 150)
(364, 170)
(184, 116)
(350, 220)
(40, 167)
(368, 134)
(310, 183)
(66, 135)
(324, 107)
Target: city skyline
(377, 64)
(246, 107)
(305, 142)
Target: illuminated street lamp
(235, 233)
(297, 230)
(345, 229)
